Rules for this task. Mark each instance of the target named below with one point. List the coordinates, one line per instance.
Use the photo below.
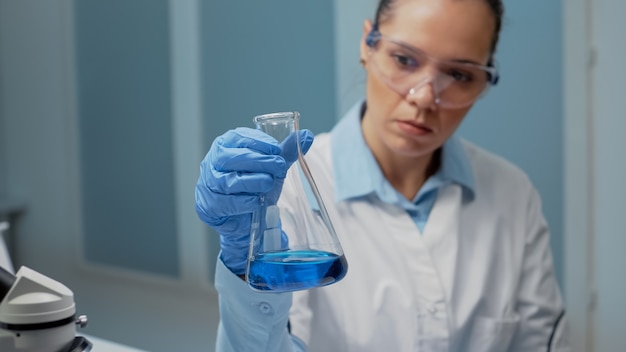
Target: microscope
(38, 314)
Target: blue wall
(267, 56)
(123, 70)
(522, 117)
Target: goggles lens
(406, 69)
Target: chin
(412, 150)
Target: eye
(405, 61)
(460, 75)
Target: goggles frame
(375, 36)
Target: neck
(408, 175)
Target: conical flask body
(293, 242)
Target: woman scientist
(447, 245)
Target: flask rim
(277, 117)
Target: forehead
(448, 29)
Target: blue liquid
(295, 270)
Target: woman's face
(413, 125)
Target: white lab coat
(479, 278)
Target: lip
(414, 128)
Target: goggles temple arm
(373, 37)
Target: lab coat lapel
(441, 234)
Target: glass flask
(293, 244)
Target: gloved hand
(241, 165)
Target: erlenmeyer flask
(293, 243)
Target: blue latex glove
(241, 165)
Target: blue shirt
(357, 173)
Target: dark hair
(383, 13)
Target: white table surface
(102, 345)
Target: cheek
(451, 119)
(375, 91)
(381, 101)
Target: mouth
(414, 128)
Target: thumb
(289, 148)
(305, 137)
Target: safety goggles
(406, 70)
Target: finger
(289, 146)
(246, 160)
(244, 137)
(240, 182)
(306, 138)
(238, 229)
(211, 206)
(234, 182)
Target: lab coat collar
(357, 173)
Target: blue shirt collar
(357, 173)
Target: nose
(423, 95)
